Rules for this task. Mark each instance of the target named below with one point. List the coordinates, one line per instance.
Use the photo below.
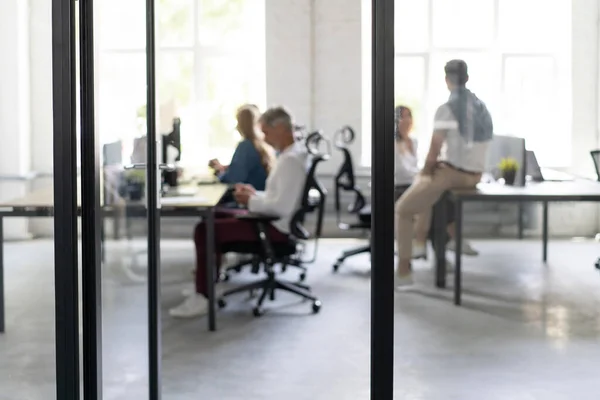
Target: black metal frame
(66, 261)
(152, 185)
(382, 202)
(91, 212)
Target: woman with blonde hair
(253, 158)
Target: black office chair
(312, 142)
(596, 158)
(346, 182)
(291, 252)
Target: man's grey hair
(277, 115)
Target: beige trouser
(418, 201)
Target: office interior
(525, 329)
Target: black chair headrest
(344, 137)
(314, 143)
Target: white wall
(314, 63)
(40, 45)
(14, 106)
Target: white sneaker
(467, 249)
(188, 290)
(195, 305)
(419, 250)
(401, 282)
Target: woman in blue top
(253, 157)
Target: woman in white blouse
(407, 170)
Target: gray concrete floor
(526, 331)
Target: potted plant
(509, 167)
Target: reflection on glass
(552, 25)
(463, 24)
(228, 23)
(529, 97)
(175, 22)
(411, 25)
(122, 24)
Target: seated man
(281, 198)
(465, 126)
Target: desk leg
(545, 231)
(209, 220)
(440, 219)
(521, 222)
(458, 254)
(1, 275)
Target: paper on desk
(179, 200)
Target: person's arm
(443, 122)
(281, 196)
(237, 170)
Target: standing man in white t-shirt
(463, 129)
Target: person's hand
(243, 192)
(216, 165)
(428, 170)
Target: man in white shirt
(464, 126)
(281, 198)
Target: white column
(40, 44)
(14, 107)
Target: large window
(519, 57)
(210, 59)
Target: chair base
(269, 286)
(255, 265)
(350, 253)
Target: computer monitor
(532, 167)
(171, 151)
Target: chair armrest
(256, 217)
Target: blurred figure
(407, 170)
(253, 157)
(464, 125)
(281, 198)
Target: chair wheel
(221, 303)
(257, 311)
(316, 306)
(238, 269)
(283, 268)
(336, 266)
(302, 277)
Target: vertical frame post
(152, 176)
(382, 200)
(65, 200)
(91, 211)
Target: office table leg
(545, 231)
(1, 275)
(440, 219)
(521, 222)
(458, 254)
(209, 220)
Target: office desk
(544, 192)
(201, 204)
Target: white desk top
(191, 196)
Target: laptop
(539, 174)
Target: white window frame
(496, 51)
(201, 52)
